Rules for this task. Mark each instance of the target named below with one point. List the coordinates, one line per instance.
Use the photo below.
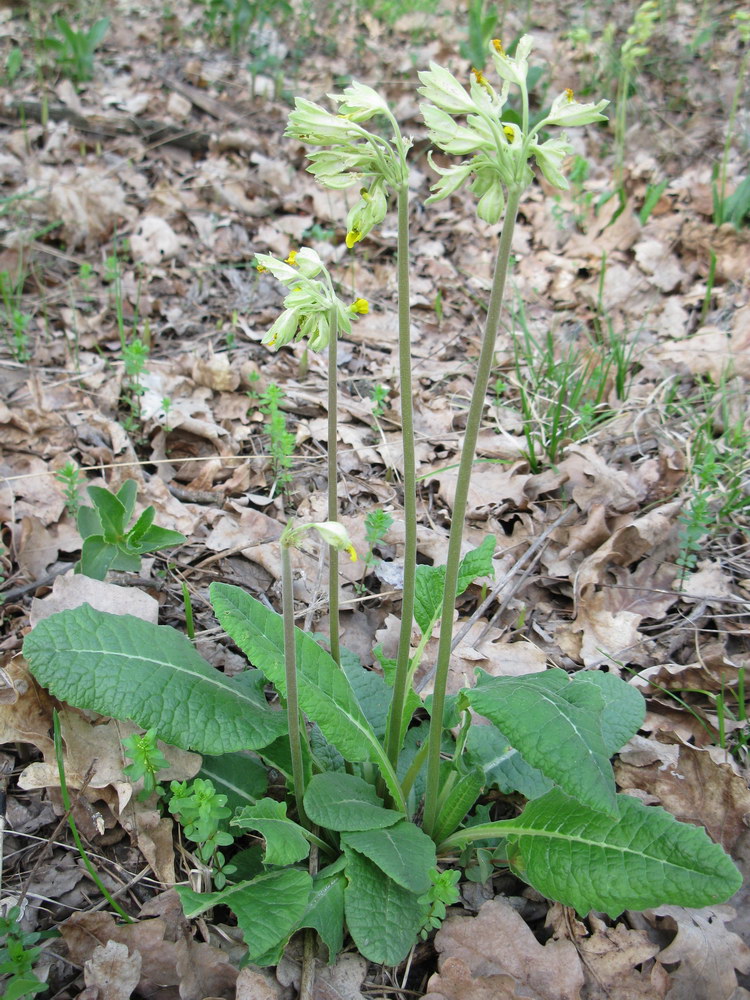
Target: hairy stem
(393, 736)
(333, 500)
(484, 368)
(290, 669)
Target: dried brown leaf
(499, 942)
(694, 788)
(112, 971)
(708, 953)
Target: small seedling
(14, 321)
(13, 64)
(147, 760)
(71, 479)
(377, 524)
(19, 952)
(281, 440)
(135, 357)
(482, 20)
(379, 397)
(734, 209)
(108, 544)
(74, 52)
(201, 811)
(442, 893)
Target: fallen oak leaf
(707, 952)
(499, 942)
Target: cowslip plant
(315, 314)
(108, 543)
(387, 795)
(633, 49)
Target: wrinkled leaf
(125, 667)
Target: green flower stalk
(313, 312)
(498, 171)
(337, 538)
(354, 155)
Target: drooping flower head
(499, 150)
(311, 302)
(332, 532)
(352, 154)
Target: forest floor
(613, 454)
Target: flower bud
(565, 110)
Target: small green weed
(379, 397)
(281, 440)
(561, 395)
(737, 207)
(13, 64)
(15, 322)
(19, 951)
(74, 51)
(135, 356)
(201, 811)
(108, 544)
(482, 20)
(71, 479)
(377, 524)
(147, 760)
(231, 21)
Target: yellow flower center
(260, 269)
(480, 78)
(360, 306)
(569, 94)
(509, 133)
(352, 552)
(292, 258)
(498, 46)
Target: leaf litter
(613, 584)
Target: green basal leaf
(325, 909)
(268, 909)
(555, 724)
(126, 495)
(88, 522)
(130, 669)
(430, 583)
(325, 694)
(140, 527)
(383, 918)
(124, 561)
(240, 776)
(340, 801)
(97, 556)
(371, 691)
(112, 512)
(156, 537)
(462, 797)
(640, 858)
(624, 707)
(403, 852)
(503, 765)
(286, 843)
